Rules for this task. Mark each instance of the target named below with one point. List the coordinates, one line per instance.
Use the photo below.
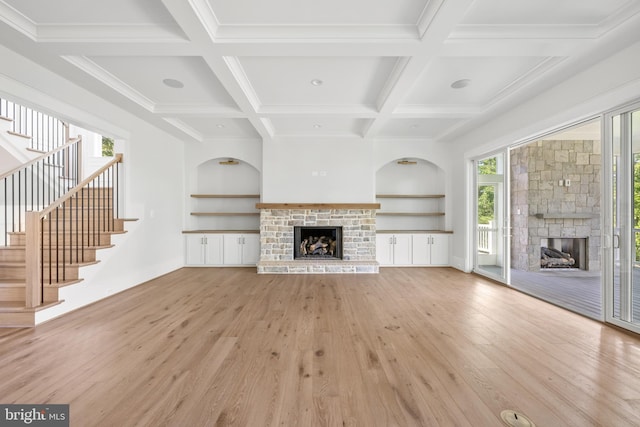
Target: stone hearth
(358, 222)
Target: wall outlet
(567, 182)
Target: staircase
(71, 236)
(53, 226)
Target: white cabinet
(419, 249)
(220, 249)
(241, 249)
(393, 249)
(204, 249)
(430, 249)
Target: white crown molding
(18, 21)
(428, 15)
(466, 31)
(112, 33)
(241, 78)
(522, 80)
(315, 33)
(183, 127)
(99, 73)
(341, 111)
(207, 17)
(431, 111)
(204, 110)
(392, 80)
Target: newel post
(33, 288)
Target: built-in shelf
(410, 196)
(318, 205)
(226, 196)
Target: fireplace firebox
(564, 252)
(317, 242)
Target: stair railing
(36, 184)
(47, 132)
(57, 235)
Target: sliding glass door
(623, 290)
(492, 218)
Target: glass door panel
(624, 299)
(491, 219)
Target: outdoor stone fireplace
(284, 226)
(555, 197)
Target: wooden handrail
(116, 159)
(33, 228)
(42, 157)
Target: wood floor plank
(409, 346)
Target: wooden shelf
(411, 213)
(226, 196)
(318, 205)
(225, 213)
(410, 196)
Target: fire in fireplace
(317, 242)
(564, 252)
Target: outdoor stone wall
(358, 240)
(542, 208)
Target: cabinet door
(402, 249)
(439, 249)
(194, 249)
(421, 249)
(384, 249)
(232, 249)
(213, 249)
(250, 249)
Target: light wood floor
(414, 346)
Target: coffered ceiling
(207, 70)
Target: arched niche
(410, 176)
(227, 176)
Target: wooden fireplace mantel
(318, 205)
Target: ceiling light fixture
(459, 84)
(173, 83)
(316, 82)
(229, 162)
(407, 162)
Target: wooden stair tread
(22, 264)
(19, 307)
(66, 247)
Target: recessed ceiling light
(459, 84)
(316, 82)
(176, 84)
(220, 126)
(317, 126)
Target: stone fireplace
(284, 226)
(555, 202)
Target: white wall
(153, 168)
(612, 82)
(318, 171)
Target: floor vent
(516, 419)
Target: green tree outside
(107, 147)
(486, 193)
